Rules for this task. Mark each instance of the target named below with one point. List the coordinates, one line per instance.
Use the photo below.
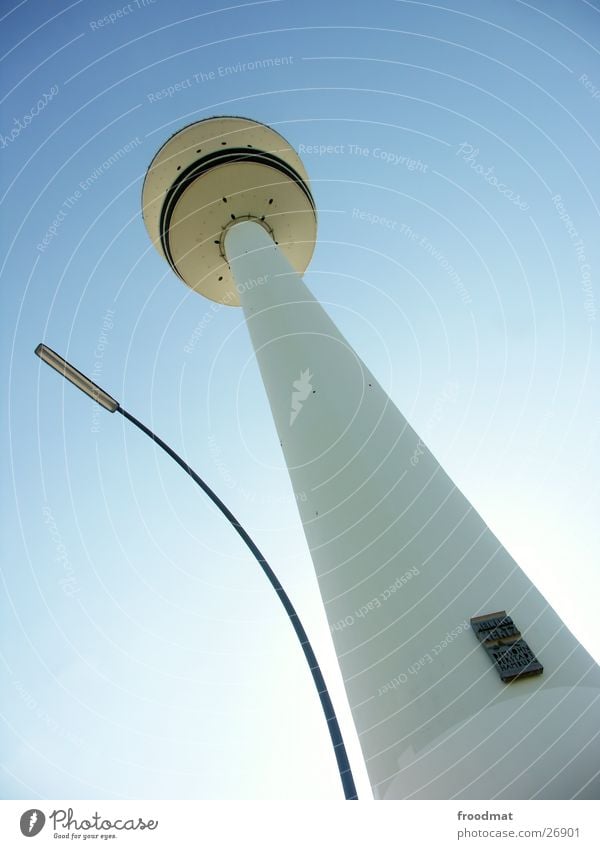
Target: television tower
(462, 680)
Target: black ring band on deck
(202, 166)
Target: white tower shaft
(403, 563)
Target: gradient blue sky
(143, 654)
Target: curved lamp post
(101, 397)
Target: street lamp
(82, 382)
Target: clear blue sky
(142, 653)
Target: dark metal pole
(315, 670)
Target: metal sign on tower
(462, 680)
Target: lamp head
(77, 378)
